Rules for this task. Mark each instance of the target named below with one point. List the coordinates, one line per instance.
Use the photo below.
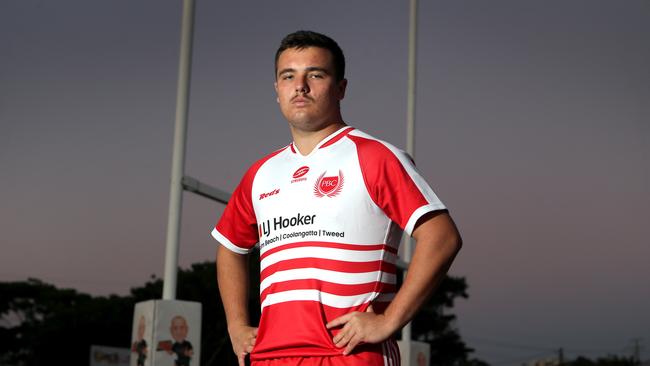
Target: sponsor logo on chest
(280, 222)
(299, 174)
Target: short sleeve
(237, 227)
(394, 184)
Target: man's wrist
(392, 325)
(392, 322)
(234, 326)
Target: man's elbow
(454, 243)
(458, 242)
(455, 240)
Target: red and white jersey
(328, 226)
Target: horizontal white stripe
(328, 253)
(322, 297)
(341, 278)
(227, 243)
(348, 241)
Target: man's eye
(316, 76)
(287, 77)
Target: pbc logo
(299, 175)
(328, 186)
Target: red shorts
(385, 354)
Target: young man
(327, 211)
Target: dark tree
(44, 325)
(436, 326)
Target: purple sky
(533, 127)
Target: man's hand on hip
(243, 339)
(358, 328)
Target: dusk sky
(533, 127)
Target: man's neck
(306, 141)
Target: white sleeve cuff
(419, 213)
(227, 243)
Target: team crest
(328, 186)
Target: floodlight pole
(410, 134)
(178, 157)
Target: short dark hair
(303, 39)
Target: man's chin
(298, 118)
(303, 123)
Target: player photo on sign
(179, 347)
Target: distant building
(109, 356)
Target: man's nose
(302, 87)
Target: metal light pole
(410, 134)
(178, 157)
(152, 310)
(410, 98)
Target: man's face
(178, 329)
(307, 89)
(141, 326)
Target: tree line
(41, 324)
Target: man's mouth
(300, 100)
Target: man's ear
(277, 96)
(342, 85)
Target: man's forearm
(438, 242)
(232, 278)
